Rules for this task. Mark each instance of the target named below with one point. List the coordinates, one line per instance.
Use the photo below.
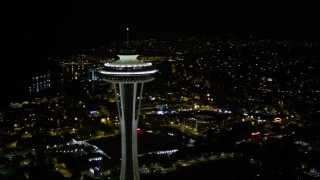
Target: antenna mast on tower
(127, 37)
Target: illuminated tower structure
(128, 74)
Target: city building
(40, 82)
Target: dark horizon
(58, 26)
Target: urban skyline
(221, 107)
(236, 96)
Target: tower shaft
(128, 109)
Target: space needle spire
(128, 75)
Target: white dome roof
(128, 61)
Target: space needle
(128, 74)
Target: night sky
(55, 26)
(31, 31)
(80, 23)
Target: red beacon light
(255, 133)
